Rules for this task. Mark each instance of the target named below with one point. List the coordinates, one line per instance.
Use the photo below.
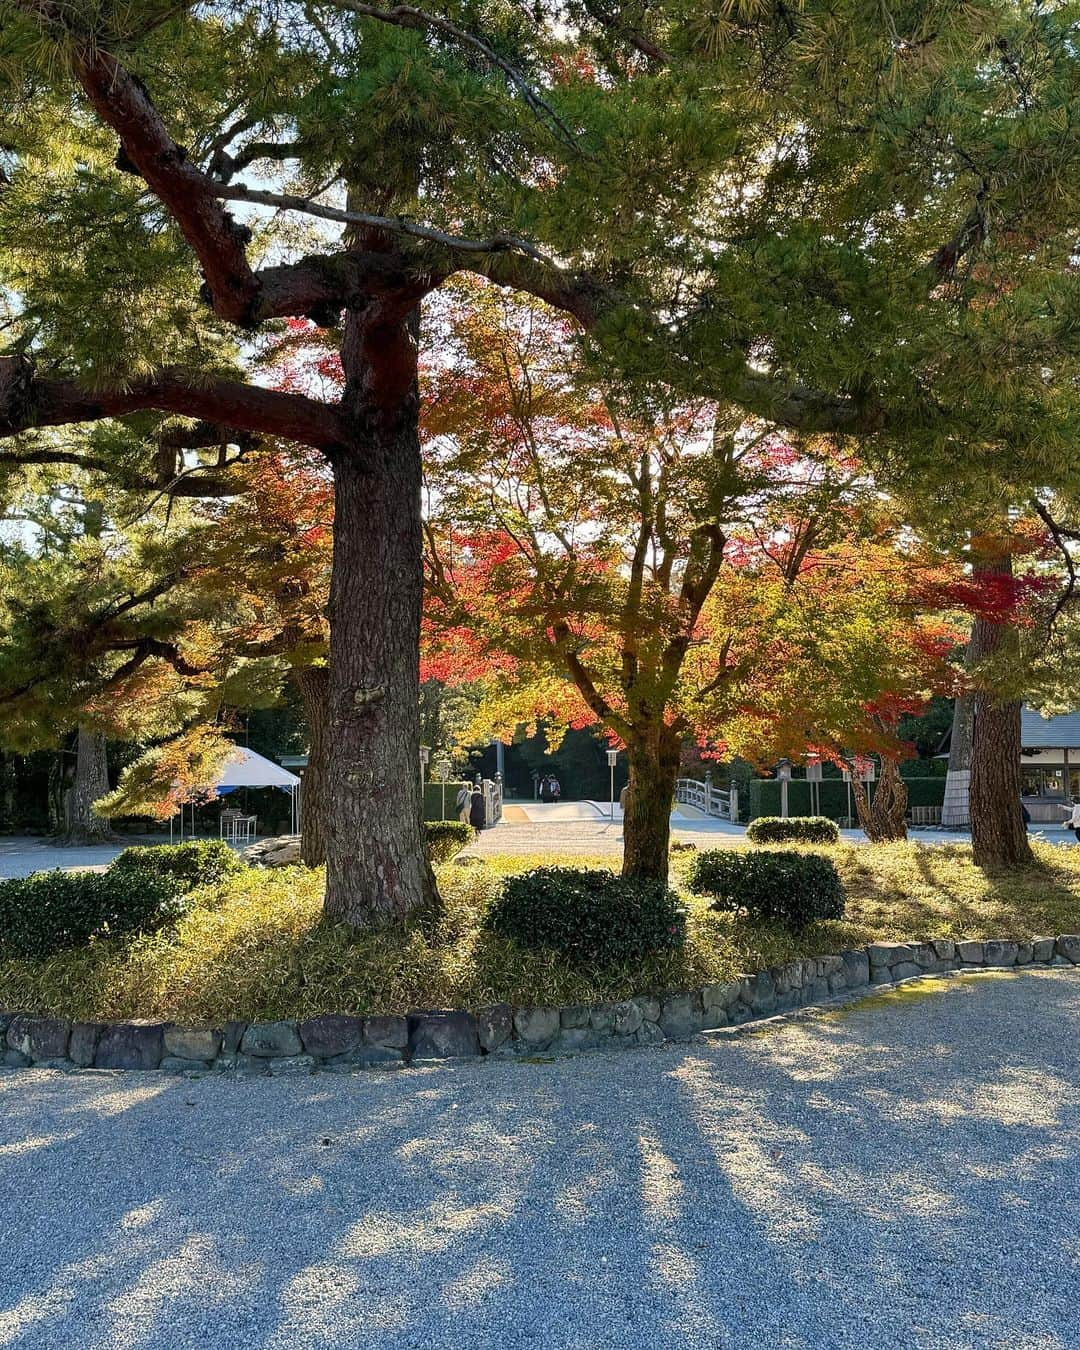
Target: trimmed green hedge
(445, 838)
(795, 888)
(50, 911)
(795, 829)
(589, 917)
(765, 796)
(201, 862)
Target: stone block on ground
(723, 995)
(291, 1064)
(573, 1018)
(1000, 953)
(130, 1045)
(1042, 949)
(39, 1037)
(650, 1007)
(391, 1032)
(180, 1064)
(331, 1034)
(906, 970)
(971, 953)
(232, 1036)
(602, 1019)
(887, 953)
(681, 1016)
(1023, 953)
(443, 1035)
(628, 1017)
(82, 1047)
(649, 1033)
(537, 1026)
(197, 1043)
(494, 1025)
(856, 968)
(572, 1040)
(1067, 945)
(271, 1040)
(714, 1018)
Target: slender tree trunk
(91, 782)
(883, 816)
(313, 683)
(654, 767)
(377, 870)
(998, 834)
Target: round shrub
(793, 830)
(445, 838)
(49, 911)
(795, 888)
(201, 862)
(590, 917)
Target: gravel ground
(900, 1173)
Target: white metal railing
(713, 801)
(925, 815)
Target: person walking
(556, 789)
(463, 803)
(477, 812)
(1073, 823)
(545, 788)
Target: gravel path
(901, 1173)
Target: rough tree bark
(377, 866)
(998, 835)
(882, 815)
(654, 767)
(91, 781)
(313, 682)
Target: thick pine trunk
(91, 781)
(313, 683)
(654, 767)
(377, 871)
(998, 835)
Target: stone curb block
(341, 1043)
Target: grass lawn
(256, 946)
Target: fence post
(733, 804)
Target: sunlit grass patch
(257, 946)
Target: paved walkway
(904, 1173)
(21, 855)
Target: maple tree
(594, 564)
(799, 212)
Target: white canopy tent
(246, 769)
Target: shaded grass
(256, 946)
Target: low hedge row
(200, 862)
(49, 911)
(590, 917)
(446, 838)
(795, 888)
(793, 829)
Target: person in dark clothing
(477, 814)
(545, 789)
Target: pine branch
(123, 103)
(408, 16)
(284, 201)
(28, 401)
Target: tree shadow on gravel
(881, 1176)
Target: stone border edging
(342, 1043)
